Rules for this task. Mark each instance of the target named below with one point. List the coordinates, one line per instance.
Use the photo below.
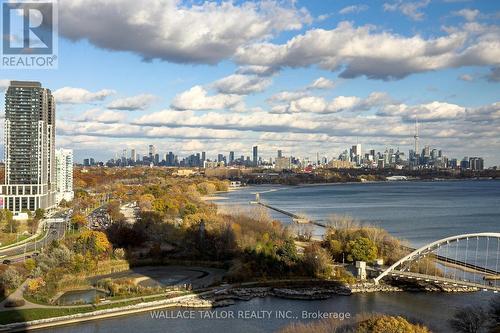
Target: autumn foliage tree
(94, 242)
(78, 220)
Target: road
(56, 230)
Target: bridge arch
(418, 253)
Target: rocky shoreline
(229, 296)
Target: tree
(30, 264)
(362, 249)
(92, 241)
(122, 235)
(317, 261)
(468, 320)
(10, 279)
(389, 324)
(12, 225)
(78, 220)
(35, 284)
(335, 248)
(494, 314)
(39, 214)
(5, 217)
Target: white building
(29, 148)
(64, 174)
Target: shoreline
(221, 298)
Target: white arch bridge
(469, 260)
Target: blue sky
(213, 71)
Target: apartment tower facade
(29, 151)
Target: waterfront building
(64, 175)
(214, 164)
(283, 163)
(30, 175)
(476, 163)
(340, 164)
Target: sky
(305, 77)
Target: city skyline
(231, 93)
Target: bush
(359, 324)
(389, 324)
(10, 279)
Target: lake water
(417, 211)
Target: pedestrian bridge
(468, 260)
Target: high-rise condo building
(151, 152)
(255, 156)
(30, 175)
(64, 174)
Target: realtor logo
(29, 30)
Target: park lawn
(23, 315)
(7, 238)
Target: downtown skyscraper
(30, 172)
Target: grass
(23, 315)
(7, 239)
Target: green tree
(362, 249)
(11, 225)
(39, 214)
(30, 264)
(335, 248)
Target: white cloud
(322, 83)
(468, 14)
(4, 84)
(197, 98)
(342, 103)
(139, 102)
(378, 55)
(353, 9)
(256, 70)
(286, 96)
(241, 84)
(174, 31)
(70, 95)
(431, 112)
(308, 104)
(412, 9)
(100, 116)
(486, 113)
(314, 104)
